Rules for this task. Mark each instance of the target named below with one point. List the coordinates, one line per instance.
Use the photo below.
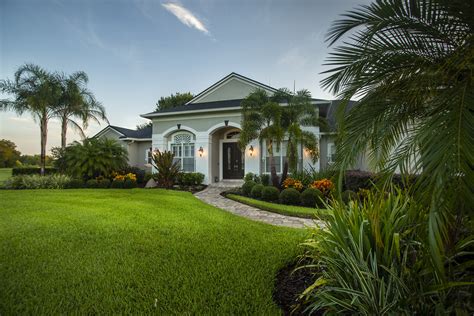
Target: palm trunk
(273, 172)
(63, 132)
(44, 136)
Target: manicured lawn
(135, 251)
(291, 210)
(5, 173)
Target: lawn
(291, 210)
(135, 251)
(5, 173)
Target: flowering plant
(293, 183)
(323, 185)
(123, 177)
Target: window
(279, 157)
(183, 150)
(331, 152)
(148, 156)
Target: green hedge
(33, 170)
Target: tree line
(47, 95)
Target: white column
(203, 162)
(252, 162)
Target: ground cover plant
(135, 251)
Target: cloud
(186, 17)
(294, 58)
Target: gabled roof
(226, 79)
(128, 133)
(329, 111)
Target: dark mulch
(289, 284)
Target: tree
(91, 158)
(35, 91)
(411, 63)
(173, 100)
(8, 154)
(77, 102)
(144, 125)
(261, 119)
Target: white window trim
(148, 156)
(329, 155)
(264, 157)
(172, 143)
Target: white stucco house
(204, 132)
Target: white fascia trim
(137, 139)
(191, 112)
(105, 129)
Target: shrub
(37, 182)
(252, 177)
(167, 168)
(93, 157)
(247, 187)
(290, 196)
(92, 184)
(292, 183)
(256, 191)
(270, 193)
(311, 197)
(75, 184)
(265, 179)
(355, 180)
(348, 196)
(323, 185)
(117, 184)
(129, 184)
(303, 176)
(103, 184)
(139, 173)
(147, 177)
(32, 171)
(190, 178)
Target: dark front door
(233, 161)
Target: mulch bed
(289, 285)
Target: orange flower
(293, 183)
(323, 185)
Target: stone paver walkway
(212, 196)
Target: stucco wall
(233, 89)
(361, 162)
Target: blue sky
(137, 51)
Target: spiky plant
(167, 168)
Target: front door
(233, 161)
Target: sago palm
(36, 91)
(411, 62)
(77, 103)
(261, 119)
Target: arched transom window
(182, 146)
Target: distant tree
(34, 160)
(36, 91)
(144, 125)
(8, 153)
(77, 103)
(173, 100)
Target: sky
(135, 51)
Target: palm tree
(77, 102)
(36, 91)
(411, 63)
(299, 113)
(261, 119)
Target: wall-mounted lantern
(251, 150)
(201, 151)
(226, 122)
(179, 126)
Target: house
(203, 134)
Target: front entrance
(232, 161)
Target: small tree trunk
(284, 174)
(273, 173)
(63, 132)
(44, 136)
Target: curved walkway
(212, 196)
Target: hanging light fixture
(251, 150)
(226, 122)
(179, 126)
(201, 151)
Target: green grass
(5, 173)
(135, 251)
(291, 210)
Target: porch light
(179, 126)
(201, 151)
(226, 122)
(251, 150)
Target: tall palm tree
(35, 91)
(261, 119)
(299, 113)
(77, 102)
(411, 62)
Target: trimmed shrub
(75, 184)
(355, 180)
(348, 196)
(139, 173)
(311, 197)
(256, 191)
(252, 177)
(247, 187)
(270, 193)
(265, 179)
(92, 184)
(117, 184)
(103, 184)
(33, 170)
(290, 196)
(129, 184)
(190, 178)
(37, 182)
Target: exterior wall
(361, 162)
(231, 90)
